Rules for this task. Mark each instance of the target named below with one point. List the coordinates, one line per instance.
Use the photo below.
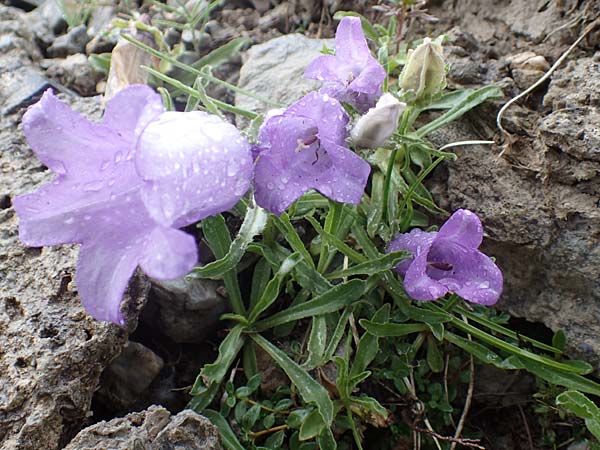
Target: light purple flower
(449, 261)
(304, 148)
(125, 185)
(352, 76)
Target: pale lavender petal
(325, 113)
(327, 68)
(350, 42)
(467, 272)
(131, 110)
(67, 142)
(464, 227)
(270, 190)
(347, 177)
(168, 254)
(416, 282)
(369, 80)
(103, 272)
(194, 165)
(415, 242)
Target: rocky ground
(62, 371)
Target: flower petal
(169, 254)
(194, 165)
(463, 227)
(103, 271)
(416, 281)
(415, 242)
(345, 181)
(131, 110)
(470, 273)
(325, 112)
(350, 41)
(270, 191)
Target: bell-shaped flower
(124, 185)
(352, 76)
(424, 75)
(304, 148)
(449, 261)
(379, 123)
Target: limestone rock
(69, 44)
(51, 351)
(153, 429)
(186, 310)
(275, 70)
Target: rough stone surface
(187, 311)
(153, 429)
(69, 44)
(275, 70)
(539, 203)
(128, 376)
(51, 351)
(75, 72)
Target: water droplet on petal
(69, 221)
(118, 157)
(93, 186)
(105, 165)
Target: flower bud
(379, 123)
(424, 74)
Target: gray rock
(51, 351)
(153, 429)
(275, 70)
(186, 310)
(17, 46)
(128, 376)
(49, 15)
(69, 44)
(100, 18)
(539, 204)
(24, 86)
(76, 73)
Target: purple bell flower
(449, 261)
(304, 148)
(123, 186)
(352, 76)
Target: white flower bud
(379, 123)
(425, 72)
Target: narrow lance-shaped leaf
(308, 388)
(254, 223)
(336, 298)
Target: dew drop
(118, 157)
(93, 186)
(104, 165)
(69, 221)
(270, 186)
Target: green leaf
(317, 342)
(569, 380)
(100, 62)
(373, 266)
(254, 223)
(368, 346)
(203, 397)
(559, 340)
(273, 287)
(296, 418)
(338, 334)
(197, 72)
(230, 441)
(307, 387)
(583, 407)
(326, 440)
(275, 441)
(312, 426)
(465, 104)
(217, 235)
(336, 298)
(228, 350)
(290, 234)
(260, 279)
(391, 329)
(476, 349)
(434, 357)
